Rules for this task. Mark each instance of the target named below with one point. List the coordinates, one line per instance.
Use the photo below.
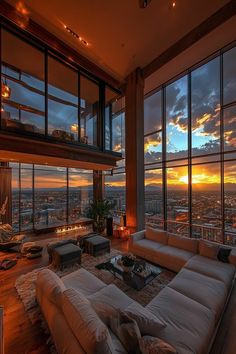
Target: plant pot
(99, 226)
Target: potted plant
(99, 211)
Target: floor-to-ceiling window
(46, 196)
(190, 151)
(115, 179)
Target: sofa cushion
(50, 285)
(172, 258)
(189, 325)
(83, 281)
(184, 243)
(212, 268)
(112, 296)
(146, 246)
(156, 235)
(208, 249)
(148, 323)
(90, 331)
(208, 291)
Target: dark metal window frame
(192, 160)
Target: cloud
(152, 113)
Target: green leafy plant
(98, 211)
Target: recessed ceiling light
(173, 4)
(144, 3)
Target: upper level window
(205, 97)
(62, 101)
(177, 119)
(89, 111)
(229, 76)
(114, 121)
(23, 74)
(44, 94)
(152, 113)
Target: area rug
(25, 286)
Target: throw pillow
(147, 322)
(87, 327)
(156, 235)
(207, 249)
(126, 329)
(223, 254)
(154, 345)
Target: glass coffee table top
(141, 274)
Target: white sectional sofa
(193, 302)
(190, 306)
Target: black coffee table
(134, 279)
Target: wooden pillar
(5, 194)
(134, 146)
(98, 185)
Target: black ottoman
(97, 245)
(66, 255)
(52, 245)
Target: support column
(134, 146)
(5, 194)
(98, 185)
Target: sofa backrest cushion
(87, 327)
(148, 323)
(157, 235)
(208, 249)
(51, 286)
(183, 243)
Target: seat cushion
(97, 240)
(145, 247)
(111, 296)
(212, 268)
(172, 258)
(87, 327)
(156, 235)
(83, 281)
(189, 325)
(148, 323)
(208, 291)
(184, 243)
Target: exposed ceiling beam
(215, 20)
(9, 13)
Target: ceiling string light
(75, 35)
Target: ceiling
(121, 36)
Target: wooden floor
(21, 337)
